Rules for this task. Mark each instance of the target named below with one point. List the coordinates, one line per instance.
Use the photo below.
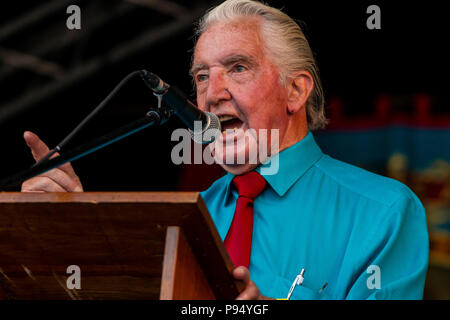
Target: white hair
(285, 44)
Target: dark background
(52, 77)
(406, 56)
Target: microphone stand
(154, 117)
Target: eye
(201, 77)
(239, 68)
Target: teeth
(225, 118)
(225, 131)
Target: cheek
(269, 109)
(201, 102)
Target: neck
(296, 130)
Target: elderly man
(356, 235)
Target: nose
(218, 90)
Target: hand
(61, 179)
(251, 291)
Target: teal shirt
(363, 234)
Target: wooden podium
(127, 245)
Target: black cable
(88, 118)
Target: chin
(238, 169)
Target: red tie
(239, 238)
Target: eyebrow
(229, 60)
(197, 67)
(238, 58)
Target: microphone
(187, 111)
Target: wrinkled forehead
(238, 36)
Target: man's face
(236, 81)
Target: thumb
(241, 273)
(38, 148)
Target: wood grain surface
(116, 238)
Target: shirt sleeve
(397, 255)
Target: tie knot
(250, 184)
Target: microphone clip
(160, 114)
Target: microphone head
(210, 131)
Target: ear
(299, 88)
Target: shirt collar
(293, 163)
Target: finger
(39, 150)
(41, 184)
(63, 179)
(251, 292)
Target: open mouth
(229, 122)
(233, 146)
